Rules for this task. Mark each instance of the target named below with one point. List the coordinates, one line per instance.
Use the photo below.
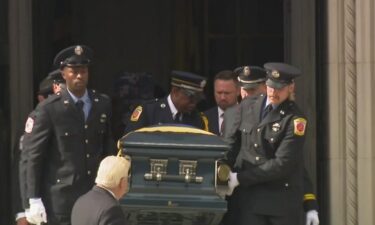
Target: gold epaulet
(309, 196)
(205, 121)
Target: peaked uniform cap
(45, 86)
(189, 81)
(77, 55)
(56, 76)
(250, 76)
(280, 74)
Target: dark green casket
(177, 176)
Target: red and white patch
(299, 126)
(29, 125)
(136, 114)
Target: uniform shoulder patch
(136, 114)
(29, 125)
(299, 126)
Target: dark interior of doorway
(203, 37)
(200, 36)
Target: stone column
(300, 51)
(365, 65)
(350, 67)
(20, 64)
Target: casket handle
(173, 178)
(187, 172)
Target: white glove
(37, 213)
(20, 215)
(312, 217)
(232, 183)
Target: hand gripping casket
(177, 176)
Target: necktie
(79, 105)
(267, 110)
(177, 117)
(221, 131)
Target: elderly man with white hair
(100, 205)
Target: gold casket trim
(175, 129)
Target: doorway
(203, 37)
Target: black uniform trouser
(259, 219)
(59, 219)
(250, 218)
(233, 208)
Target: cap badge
(246, 71)
(203, 83)
(275, 74)
(78, 50)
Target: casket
(177, 176)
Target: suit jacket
(63, 151)
(270, 159)
(97, 207)
(158, 112)
(213, 120)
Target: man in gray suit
(100, 206)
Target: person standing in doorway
(65, 139)
(226, 92)
(269, 131)
(179, 107)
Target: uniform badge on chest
(103, 118)
(276, 127)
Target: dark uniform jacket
(22, 170)
(63, 151)
(97, 207)
(270, 159)
(18, 182)
(157, 112)
(213, 120)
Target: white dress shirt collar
(173, 108)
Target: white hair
(111, 170)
